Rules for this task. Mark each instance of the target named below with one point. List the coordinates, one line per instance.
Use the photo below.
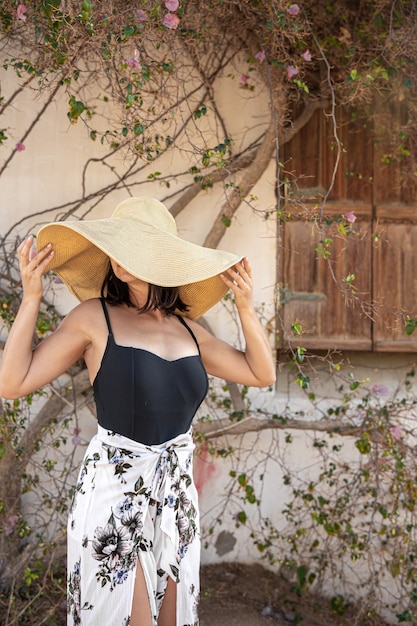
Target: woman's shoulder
(199, 328)
(86, 307)
(84, 313)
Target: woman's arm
(23, 369)
(255, 366)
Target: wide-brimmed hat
(141, 236)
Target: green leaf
(242, 480)
(296, 328)
(303, 381)
(76, 108)
(410, 325)
(363, 444)
(129, 31)
(301, 574)
(206, 158)
(300, 354)
(138, 129)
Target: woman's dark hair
(165, 299)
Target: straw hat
(141, 236)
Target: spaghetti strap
(184, 323)
(106, 315)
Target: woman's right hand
(32, 266)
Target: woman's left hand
(255, 366)
(239, 280)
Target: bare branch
(244, 161)
(218, 428)
(53, 408)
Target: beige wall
(48, 174)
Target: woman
(133, 538)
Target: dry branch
(218, 428)
(80, 384)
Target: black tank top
(145, 397)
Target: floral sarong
(133, 501)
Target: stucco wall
(48, 174)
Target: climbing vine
(141, 82)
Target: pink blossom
(291, 71)
(172, 5)
(20, 147)
(306, 55)
(396, 432)
(294, 9)
(244, 78)
(141, 15)
(380, 390)
(350, 216)
(11, 523)
(171, 21)
(134, 62)
(76, 440)
(20, 12)
(260, 55)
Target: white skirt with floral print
(132, 502)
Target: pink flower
(11, 523)
(291, 71)
(294, 9)
(350, 216)
(396, 432)
(141, 15)
(244, 78)
(171, 21)
(76, 440)
(380, 390)
(172, 5)
(20, 12)
(134, 62)
(306, 55)
(20, 147)
(260, 55)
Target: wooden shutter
(395, 279)
(395, 253)
(310, 158)
(383, 256)
(312, 292)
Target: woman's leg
(141, 612)
(168, 612)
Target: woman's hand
(32, 266)
(239, 280)
(253, 367)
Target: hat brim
(82, 250)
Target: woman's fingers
(32, 265)
(30, 258)
(239, 280)
(241, 275)
(23, 250)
